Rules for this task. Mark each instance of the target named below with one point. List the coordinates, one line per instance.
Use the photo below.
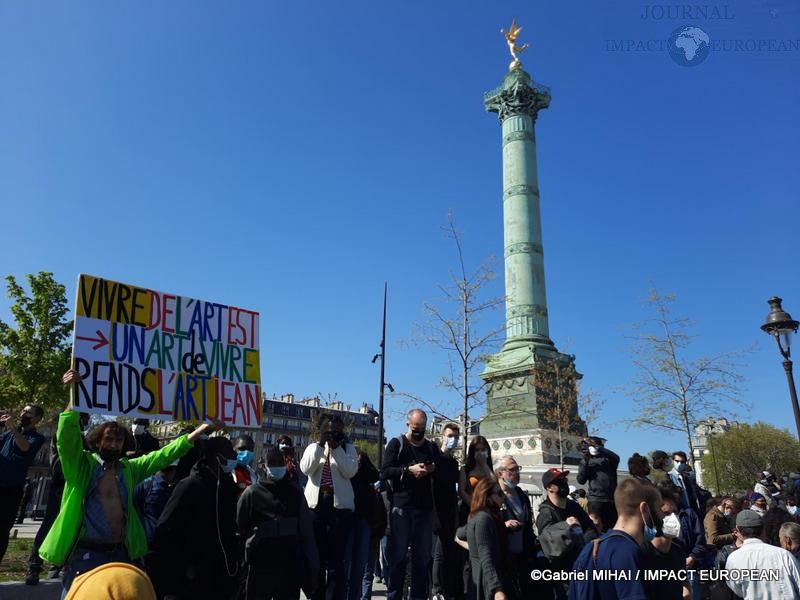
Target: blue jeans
(82, 561)
(356, 557)
(410, 527)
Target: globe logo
(689, 46)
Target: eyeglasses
(512, 469)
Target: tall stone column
(515, 394)
(518, 102)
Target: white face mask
(792, 509)
(671, 526)
(593, 451)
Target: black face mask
(336, 436)
(417, 435)
(109, 455)
(563, 490)
(24, 421)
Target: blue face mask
(650, 531)
(792, 510)
(229, 465)
(244, 457)
(451, 443)
(680, 467)
(276, 473)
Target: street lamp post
(383, 384)
(781, 326)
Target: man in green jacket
(98, 522)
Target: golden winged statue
(511, 39)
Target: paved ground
(27, 529)
(51, 589)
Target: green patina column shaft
(518, 102)
(515, 376)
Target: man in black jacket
(599, 469)
(518, 517)
(277, 526)
(564, 527)
(195, 545)
(409, 463)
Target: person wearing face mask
(518, 519)
(96, 524)
(293, 472)
(329, 464)
(758, 503)
(276, 524)
(195, 550)
(563, 526)
(689, 492)
(409, 465)
(144, 442)
(683, 523)
(477, 466)
(718, 523)
(621, 549)
(667, 553)
(447, 557)
(598, 468)
(244, 475)
(19, 444)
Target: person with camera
(409, 464)
(598, 468)
(19, 444)
(329, 464)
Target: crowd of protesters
(203, 517)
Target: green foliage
(745, 450)
(35, 354)
(370, 447)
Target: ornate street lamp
(781, 326)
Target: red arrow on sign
(101, 340)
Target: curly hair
(116, 429)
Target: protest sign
(143, 353)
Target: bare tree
(673, 391)
(453, 325)
(558, 386)
(590, 407)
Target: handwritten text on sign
(143, 353)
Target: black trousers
(606, 510)
(10, 498)
(448, 565)
(53, 507)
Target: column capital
(519, 95)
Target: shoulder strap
(596, 543)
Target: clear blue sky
(290, 157)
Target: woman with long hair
(488, 543)
(477, 467)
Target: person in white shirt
(756, 555)
(329, 464)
